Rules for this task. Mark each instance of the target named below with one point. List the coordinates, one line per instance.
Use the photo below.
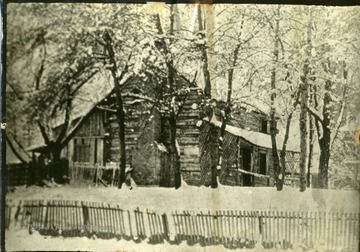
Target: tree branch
(65, 126)
(44, 134)
(315, 113)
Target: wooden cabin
(94, 151)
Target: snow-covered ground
(21, 240)
(164, 200)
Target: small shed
(247, 156)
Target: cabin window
(264, 126)
(82, 150)
(262, 165)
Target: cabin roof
(259, 139)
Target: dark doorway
(263, 163)
(246, 157)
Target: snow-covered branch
(315, 113)
(340, 118)
(139, 98)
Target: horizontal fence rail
(234, 229)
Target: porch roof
(260, 139)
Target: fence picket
(348, 229)
(176, 226)
(143, 225)
(232, 229)
(236, 219)
(76, 219)
(120, 215)
(137, 225)
(244, 227)
(197, 231)
(253, 227)
(180, 226)
(335, 227)
(188, 220)
(353, 230)
(194, 227)
(212, 226)
(130, 226)
(158, 226)
(63, 216)
(266, 229)
(229, 233)
(89, 220)
(98, 219)
(117, 221)
(273, 227)
(57, 216)
(282, 233)
(107, 221)
(277, 214)
(344, 224)
(357, 231)
(103, 220)
(51, 216)
(150, 225)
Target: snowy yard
(199, 198)
(167, 201)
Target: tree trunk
(303, 137)
(225, 111)
(311, 150)
(324, 162)
(279, 169)
(283, 150)
(55, 151)
(120, 115)
(171, 175)
(204, 58)
(324, 141)
(304, 87)
(174, 153)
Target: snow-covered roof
(94, 91)
(258, 106)
(11, 158)
(258, 138)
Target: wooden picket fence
(239, 229)
(234, 229)
(73, 218)
(96, 173)
(18, 174)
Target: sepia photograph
(160, 127)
